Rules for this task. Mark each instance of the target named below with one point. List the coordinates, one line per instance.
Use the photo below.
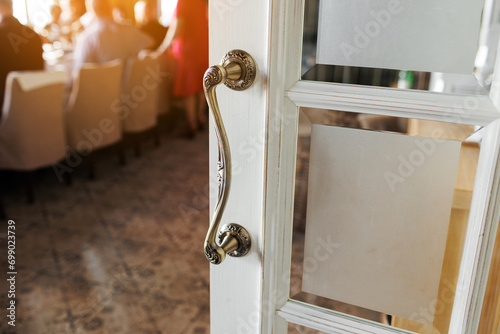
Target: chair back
(166, 88)
(93, 112)
(141, 93)
(32, 125)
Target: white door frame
(236, 284)
(250, 294)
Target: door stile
(480, 238)
(286, 17)
(236, 284)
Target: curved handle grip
(237, 71)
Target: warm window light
(20, 11)
(37, 14)
(167, 11)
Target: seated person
(146, 16)
(104, 40)
(21, 47)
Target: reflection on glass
(420, 35)
(478, 82)
(435, 317)
(377, 217)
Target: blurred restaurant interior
(102, 195)
(104, 163)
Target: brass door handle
(237, 71)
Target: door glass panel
(381, 209)
(448, 46)
(423, 35)
(366, 188)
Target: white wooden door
(250, 294)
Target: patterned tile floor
(110, 255)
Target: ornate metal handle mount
(237, 71)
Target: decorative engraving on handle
(212, 255)
(241, 234)
(248, 70)
(213, 76)
(237, 71)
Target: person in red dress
(187, 43)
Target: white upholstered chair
(141, 89)
(166, 87)
(94, 107)
(32, 124)
(162, 69)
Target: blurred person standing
(104, 40)
(20, 46)
(187, 43)
(146, 17)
